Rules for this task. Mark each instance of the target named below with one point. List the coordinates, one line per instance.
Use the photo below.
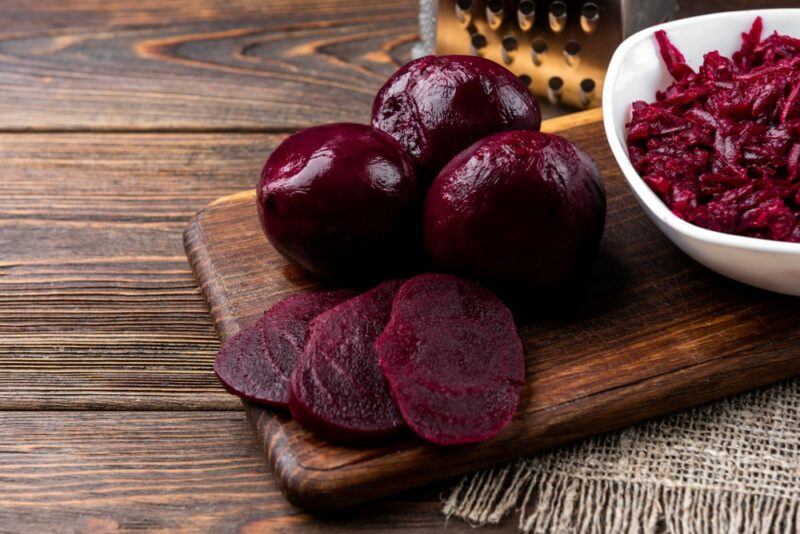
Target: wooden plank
(98, 306)
(207, 64)
(197, 64)
(652, 332)
(186, 471)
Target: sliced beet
(337, 389)
(228, 367)
(452, 358)
(256, 363)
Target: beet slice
(453, 359)
(228, 363)
(257, 362)
(337, 389)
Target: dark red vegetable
(452, 358)
(256, 363)
(336, 388)
(342, 201)
(517, 209)
(438, 106)
(247, 345)
(721, 146)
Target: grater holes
(464, 12)
(527, 7)
(558, 8)
(526, 11)
(479, 41)
(590, 15)
(509, 46)
(590, 11)
(510, 43)
(557, 17)
(524, 78)
(494, 14)
(587, 87)
(572, 51)
(538, 49)
(555, 88)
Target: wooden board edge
(572, 120)
(211, 286)
(314, 490)
(326, 490)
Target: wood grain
(207, 64)
(98, 307)
(176, 471)
(197, 64)
(651, 332)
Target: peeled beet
(257, 362)
(438, 106)
(336, 388)
(341, 201)
(521, 209)
(453, 360)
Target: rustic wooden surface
(118, 120)
(652, 332)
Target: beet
(336, 388)
(341, 201)
(721, 146)
(522, 209)
(256, 363)
(438, 106)
(453, 360)
(246, 345)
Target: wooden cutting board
(653, 332)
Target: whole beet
(520, 210)
(438, 106)
(341, 201)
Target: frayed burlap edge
(733, 466)
(558, 503)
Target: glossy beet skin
(340, 200)
(520, 210)
(438, 106)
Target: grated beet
(721, 146)
(452, 358)
(257, 362)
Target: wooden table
(118, 120)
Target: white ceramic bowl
(635, 73)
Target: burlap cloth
(733, 466)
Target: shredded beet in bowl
(721, 145)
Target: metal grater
(560, 49)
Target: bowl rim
(635, 181)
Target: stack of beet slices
(436, 353)
(256, 363)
